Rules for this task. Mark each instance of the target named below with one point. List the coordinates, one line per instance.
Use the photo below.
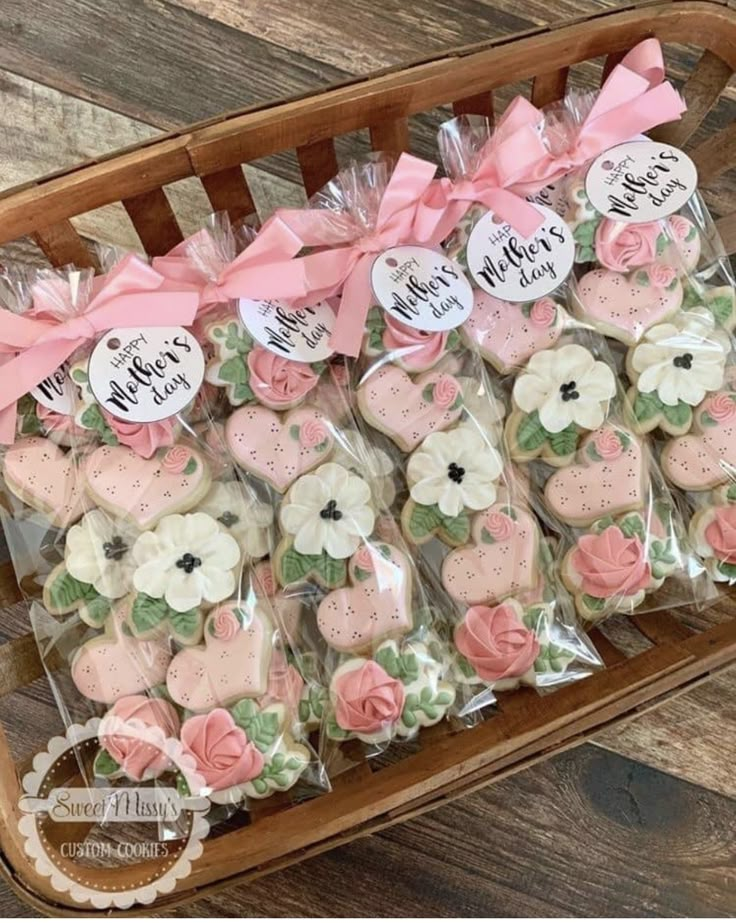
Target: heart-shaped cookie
(501, 561)
(610, 479)
(231, 664)
(377, 606)
(144, 490)
(116, 664)
(507, 333)
(44, 477)
(279, 449)
(706, 457)
(407, 410)
(624, 306)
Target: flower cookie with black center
(561, 394)
(673, 368)
(325, 516)
(241, 515)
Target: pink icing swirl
(721, 534)
(54, 422)
(543, 313)
(368, 700)
(312, 433)
(137, 758)
(265, 580)
(611, 565)
(680, 226)
(721, 407)
(221, 751)
(608, 444)
(419, 348)
(364, 559)
(142, 438)
(621, 247)
(225, 624)
(445, 392)
(661, 276)
(496, 643)
(176, 459)
(277, 381)
(499, 526)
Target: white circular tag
(514, 268)
(301, 334)
(146, 374)
(56, 392)
(641, 181)
(422, 288)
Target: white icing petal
(99, 552)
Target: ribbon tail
(347, 334)
(8, 423)
(520, 214)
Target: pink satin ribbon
(632, 100)
(133, 294)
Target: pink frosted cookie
(673, 368)
(45, 478)
(411, 349)
(561, 393)
(376, 606)
(144, 490)
(116, 664)
(612, 567)
(407, 410)
(623, 247)
(279, 448)
(713, 535)
(705, 457)
(625, 306)
(287, 608)
(610, 478)
(232, 663)
(501, 560)
(507, 333)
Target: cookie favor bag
(138, 545)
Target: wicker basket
(527, 728)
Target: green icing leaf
(148, 612)
(184, 624)
(97, 609)
(294, 432)
(261, 728)
(80, 376)
(404, 668)
(296, 567)
(464, 666)
(680, 415)
(706, 419)
(456, 528)
(531, 434)
(631, 526)
(66, 592)
(721, 307)
(427, 394)
(181, 786)
(104, 764)
(592, 452)
(234, 371)
(731, 492)
(642, 277)
(361, 574)
(585, 233)
(242, 394)
(564, 442)
(728, 570)
(593, 603)
(647, 406)
(293, 566)
(191, 466)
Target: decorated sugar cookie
(610, 478)
(353, 450)
(377, 605)
(40, 474)
(501, 559)
(450, 476)
(279, 448)
(411, 349)
(672, 370)
(240, 515)
(561, 393)
(232, 663)
(719, 300)
(325, 517)
(706, 457)
(286, 607)
(145, 490)
(508, 333)
(34, 419)
(116, 664)
(407, 409)
(393, 694)
(136, 738)
(612, 567)
(713, 534)
(253, 374)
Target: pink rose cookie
(411, 349)
(144, 490)
(673, 368)
(253, 374)
(502, 558)
(44, 477)
(394, 694)
(612, 567)
(375, 607)
(407, 410)
(232, 664)
(561, 393)
(116, 664)
(279, 448)
(610, 478)
(713, 535)
(135, 736)
(623, 247)
(508, 333)
(704, 458)
(625, 306)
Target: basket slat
(228, 192)
(155, 221)
(318, 163)
(549, 86)
(480, 104)
(62, 245)
(390, 136)
(715, 155)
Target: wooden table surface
(640, 823)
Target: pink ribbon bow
(133, 294)
(263, 270)
(632, 100)
(347, 268)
